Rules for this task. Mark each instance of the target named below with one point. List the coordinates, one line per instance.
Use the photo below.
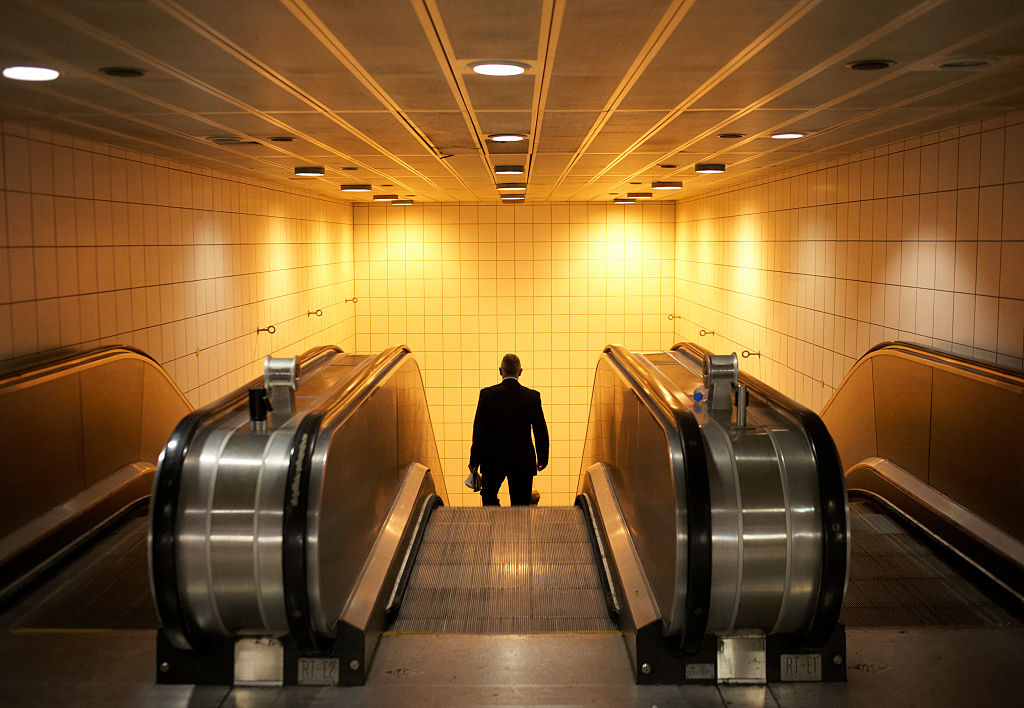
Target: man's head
(510, 366)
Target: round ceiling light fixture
(964, 63)
(506, 137)
(498, 68)
(30, 73)
(666, 185)
(709, 168)
(512, 187)
(355, 188)
(788, 135)
(123, 72)
(870, 64)
(508, 170)
(309, 171)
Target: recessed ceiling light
(962, 63)
(508, 170)
(787, 136)
(512, 187)
(709, 168)
(281, 139)
(639, 195)
(386, 185)
(668, 167)
(385, 197)
(123, 72)
(30, 73)
(310, 171)
(506, 137)
(229, 140)
(666, 185)
(401, 202)
(731, 136)
(349, 169)
(355, 188)
(512, 198)
(870, 64)
(499, 68)
(636, 182)
(624, 200)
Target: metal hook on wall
(674, 317)
(351, 299)
(318, 312)
(269, 330)
(746, 354)
(704, 332)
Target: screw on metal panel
(354, 664)
(837, 659)
(645, 668)
(164, 667)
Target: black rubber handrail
(177, 624)
(652, 392)
(295, 523)
(981, 368)
(47, 367)
(835, 533)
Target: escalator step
(505, 571)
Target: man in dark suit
(502, 446)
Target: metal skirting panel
(505, 571)
(896, 581)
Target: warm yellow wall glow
(462, 284)
(105, 246)
(921, 240)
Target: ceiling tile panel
(507, 30)
(598, 42)
(505, 93)
(622, 129)
(826, 30)
(564, 131)
(447, 131)
(387, 39)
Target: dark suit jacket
(505, 414)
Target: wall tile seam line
(187, 318)
(788, 336)
(720, 289)
(300, 195)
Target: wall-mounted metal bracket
(318, 312)
(269, 330)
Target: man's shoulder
(490, 390)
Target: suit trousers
(520, 486)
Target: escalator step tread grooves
(896, 581)
(505, 571)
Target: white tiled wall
(99, 245)
(921, 240)
(462, 284)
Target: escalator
(287, 546)
(610, 589)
